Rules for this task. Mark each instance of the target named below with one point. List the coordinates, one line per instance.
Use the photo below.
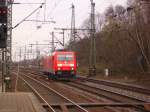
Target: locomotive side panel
(45, 68)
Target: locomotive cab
(65, 64)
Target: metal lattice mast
(9, 41)
(92, 65)
(53, 44)
(72, 38)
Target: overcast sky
(57, 10)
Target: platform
(19, 102)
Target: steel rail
(129, 104)
(102, 104)
(118, 85)
(138, 106)
(96, 81)
(78, 85)
(141, 100)
(97, 93)
(36, 92)
(79, 107)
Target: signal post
(5, 41)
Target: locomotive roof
(61, 52)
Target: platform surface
(19, 102)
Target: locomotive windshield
(65, 57)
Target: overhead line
(41, 21)
(28, 16)
(26, 3)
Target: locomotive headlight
(59, 65)
(72, 65)
(59, 68)
(72, 68)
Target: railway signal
(3, 35)
(3, 25)
(3, 14)
(2, 2)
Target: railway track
(112, 96)
(124, 86)
(48, 95)
(94, 87)
(137, 96)
(136, 93)
(104, 92)
(134, 102)
(50, 98)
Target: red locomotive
(61, 64)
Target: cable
(17, 3)
(59, 41)
(27, 16)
